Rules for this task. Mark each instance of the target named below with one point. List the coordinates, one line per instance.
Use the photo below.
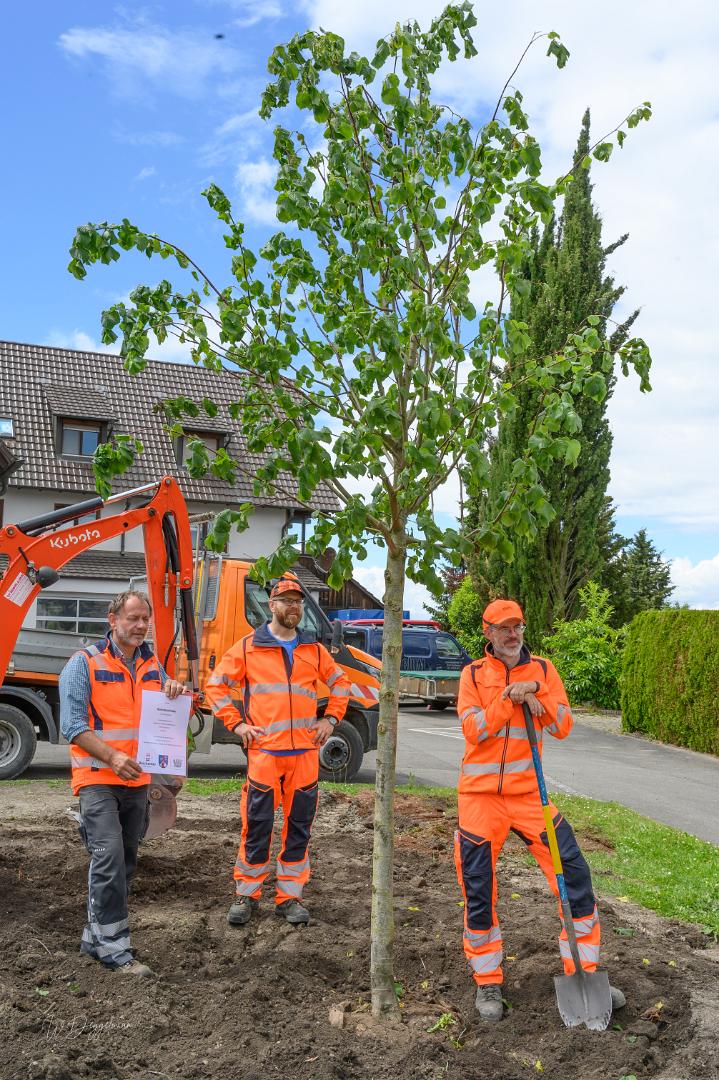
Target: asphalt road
(674, 786)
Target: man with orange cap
(265, 690)
(498, 793)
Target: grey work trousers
(114, 820)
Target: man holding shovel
(498, 791)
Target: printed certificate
(162, 746)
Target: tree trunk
(384, 998)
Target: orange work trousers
(272, 780)
(484, 824)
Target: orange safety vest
(254, 683)
(113, 711)
(497, 756)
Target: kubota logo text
(71, 539)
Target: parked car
(432, 659)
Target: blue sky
(130, 110)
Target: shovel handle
(552, 837)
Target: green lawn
(661, 868)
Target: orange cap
(285, 585)
(499, 611)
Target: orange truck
(213, 598)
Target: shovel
(584, 997)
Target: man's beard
(287, 619)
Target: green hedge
(670, 678)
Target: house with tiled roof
(57, 405)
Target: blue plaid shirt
(75, 690)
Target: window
(211, 440)
(7, 429)
(414, 644)
(73, 615)
(355, 637)
(447, 646)
(78, 439)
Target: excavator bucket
(163, 809)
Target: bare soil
(268, 1000)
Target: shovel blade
(163, 810)
(584, 998)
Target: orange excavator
(36, 550)
(230, 604)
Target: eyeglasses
(518, 628)
(288, 603)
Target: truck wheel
(17, 742)
(341, 756)
(437, 706)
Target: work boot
(488, 1002)
(134, 967)
(241, 910)
(618, 998)
(293, 912)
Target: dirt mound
(268, 999)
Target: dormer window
(7, 428)
(79, 438)
(212, 440)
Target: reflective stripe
(336, 674)
(252, 871)
(108, 929)
(222, 703)
(302, 691)
(584, 926)
(286, 725)
(119, 946)
(246, 888)
(588, 954)
(291, 888)
(562, 711)
(268, 688)
(341, 691)
(221, 680)
(113, 734)
(492, 769)
(478, 938)
(292, 869)
(552, 729)
(486, 962)
(518, 766)
(83, 761)
(473, 710)
(365, 692)
(521, 733)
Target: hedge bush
(465, 618)
(670, 678)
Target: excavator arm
(38, 548)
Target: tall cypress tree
(565, 282)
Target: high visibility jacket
(497, 755)
(114, 711)
(255, 683)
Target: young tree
(564, 283)
(643, 579)
(357, 350)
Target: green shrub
(465, 618)
(670, 678)
(587, 651)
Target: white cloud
(149, 138)
(255, 181)
(76, 339)
(141, 54)
(251, 12)
(696, 584)
(145, 173)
